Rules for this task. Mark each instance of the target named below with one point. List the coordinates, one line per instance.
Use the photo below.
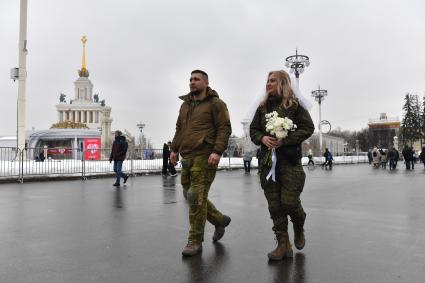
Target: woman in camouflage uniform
(283, 196)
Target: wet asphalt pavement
(363, 225)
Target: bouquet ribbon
(272, 172)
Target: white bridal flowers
(278, 127)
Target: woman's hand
(270, 142)
(279, 143)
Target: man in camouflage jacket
(202, 133)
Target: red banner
(59, 151)
(92, 148)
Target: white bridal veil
(301, 98)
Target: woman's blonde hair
(284, 89)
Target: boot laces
(191, 243)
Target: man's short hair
(118, 132)
(200, 72)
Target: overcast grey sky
(367, 54)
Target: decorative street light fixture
(297, 63)
(319, 96)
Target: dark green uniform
(283, 196)
(203, 127)
(196, 178)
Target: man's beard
(195, 92)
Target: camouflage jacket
(202, 127)
(291, 147)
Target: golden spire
(83, 72)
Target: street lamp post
(319, 96)
(22, 75)
(141, 126)
(297, 63)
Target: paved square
(363, 225)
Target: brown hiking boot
(219, 229)
(299, 239)
(283, 248)
(192, 248)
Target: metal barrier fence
(75, 162)
(10, 163)
(46, 162)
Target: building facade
(81, 120)
(383, 130)
(85, 109)
(334, 144)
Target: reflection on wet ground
(363, 225)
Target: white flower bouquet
(278, 127)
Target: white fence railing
(44, 162)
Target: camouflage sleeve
(305, 128)
(256, 129)
(175, 143)
(222, 125)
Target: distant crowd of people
(379, 158)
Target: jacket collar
(210, 93)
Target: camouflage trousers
(196, 178)
(283, 196)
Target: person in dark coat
(40, 157)
(165, 158)
(405, 154)
(118, 152)
(392, 156)
(369, 157)
(408, 157)
(397, 157)
(247, 157)
(412, 157)
(171, 168)
(328, 159)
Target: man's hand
(214, 159)
(270, 142)
(173, 158)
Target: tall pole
(297, 82)
(320, 125)
(22, 74)
(319, 96)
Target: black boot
(219, 229)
